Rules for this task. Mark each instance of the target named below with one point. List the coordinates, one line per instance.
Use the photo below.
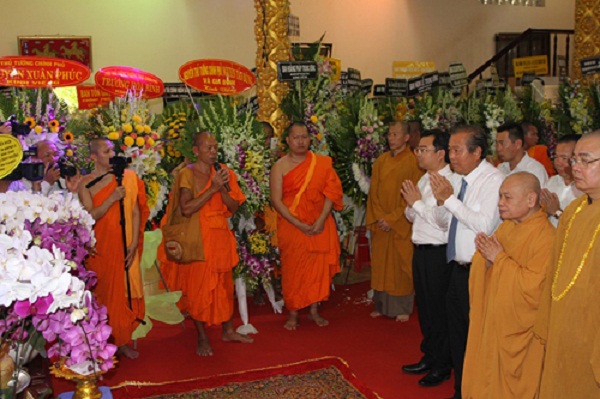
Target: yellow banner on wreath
(410, 69)
(336, 68)
(11, 154)
(537, 64)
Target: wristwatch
(557, 214)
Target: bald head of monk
(205, 148)
(101, 150)
(585, 164)
(519, 196)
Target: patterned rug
(324, 378)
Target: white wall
(160, 35)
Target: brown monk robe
(207, 286)
(304, 189)
(569, 317)
(391, 246)
(102, 201)
(503, 359)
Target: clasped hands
(312, 229)
(549, 201)
(489, 247)
(441, 188)
(220, 179)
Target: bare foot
(292, 321)
(128, 352)
(232, 336)
(320, 321)
(375, 314)
(402, 318)
(203, 348)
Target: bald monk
(534, 150)
(304, 190)
(503, 359)
(207, 286)
(102, 201)
(569, 315)
(391, 245)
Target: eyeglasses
(421, 150)
(583, 162)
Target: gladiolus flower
(128, 141)
(127, 128)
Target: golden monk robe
(503, 359)
(391, 246)
(569, 320)
(207, 286)
(304, 189)
(102, 201)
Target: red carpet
(375, 349)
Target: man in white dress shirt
(474, 210)
(431, 273)
(509, 145)
(560, 190)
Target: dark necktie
(451, 249)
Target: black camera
(119, 164)
(66, 169)
(30, 171)
(18, 129)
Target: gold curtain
(587, 32)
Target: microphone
(218, 168)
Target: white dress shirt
(566, 194)
(527, 164)
(430, 221)
(478, 212)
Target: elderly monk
(101, 200)
(503, 359)
(207, 286)
(391, 246)
(569, 315)
(304, 190)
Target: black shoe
(417, 368)
(434, 378)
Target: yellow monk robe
(308, 263)
(109, 260)
(391, 252)
(570, 326)
(540, 154)
(503, 359)
(207, 286)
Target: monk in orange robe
(304, 190)
(534, 150)
(109, 261)
(503, 358)
(207, 286)
(391, 245)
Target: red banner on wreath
(92, 96)
(118, 80)
(217, 76)
(35, 72)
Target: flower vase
(86, 388)
(7, 366)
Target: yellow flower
(127, 128)
(69, 152)
(139, 128)
(53, 125)
(151, 141)
(128, 141)
(314, 119)
(30, 121)
(319, 136)
(68, 137)
(147, 129)
(136, 118)
(113, 136)
(177, 153)
(140, 141)
(38, 129)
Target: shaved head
(200, 137)
(527, 181)
(96, 143)
(519, 196)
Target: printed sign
(217, 76)
(396, 87)
(354, 80)
(422, 84)
(590, 65)
(11, 154)
(458, 75)
(411, 69)
(38, 72)
(379, 91)
(296, 70)
(92, 96)
(366, 85)
(537, 64)
(118, 80)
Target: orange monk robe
(503, 359)
(207, 286)
(570, 326)
(540, 154)
(109, 260)
(308, 263)
(391, 252)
